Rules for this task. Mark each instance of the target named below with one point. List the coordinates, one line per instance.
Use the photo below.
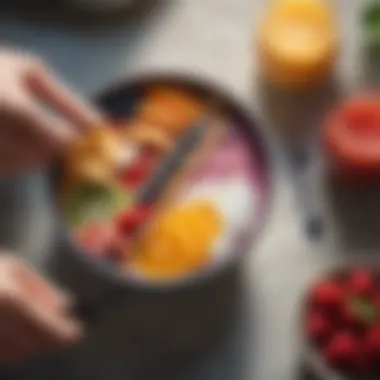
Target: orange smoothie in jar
(297, 43)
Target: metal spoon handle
(172, 163)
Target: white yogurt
(236, 203)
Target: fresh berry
(362, 365)
(131, 219)
(372, 342)
(342, 350)
(328, 295)
(96, 238)
(117, 247)
(139, 171)
(376, 301)
(348, 317)
(361, 283)
(135, 175)
(318, 327)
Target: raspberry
(361, 283)
(131, 219)
(363, 365)
(372, 342)
(96, 238)
(139, 171)
(318, 327)
(342, 350)
(328, 295)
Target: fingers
(51, 328)
(31, 137)
(19, 342)
(27, 337)
(33, 316)
(53, 131)
(46, 86)
(38, 288)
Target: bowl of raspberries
(342, 324)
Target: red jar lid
(352, 134)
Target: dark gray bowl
(181, 315)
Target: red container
(351, 137)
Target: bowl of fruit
(162, 204)
(342, 325)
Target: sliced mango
(150, 136)
(170, 109)
(180, 240)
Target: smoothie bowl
(160, 206)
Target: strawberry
(135, 175)
(96, 238)
(328, 295)
(361, 283)
(130, 220)
(318, 327)
(138, 171)
(372, 341)
(342, 350)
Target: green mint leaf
(88, 203)
(364, 310)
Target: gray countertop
(212, 38)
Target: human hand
(39, 116)
(32, 314)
